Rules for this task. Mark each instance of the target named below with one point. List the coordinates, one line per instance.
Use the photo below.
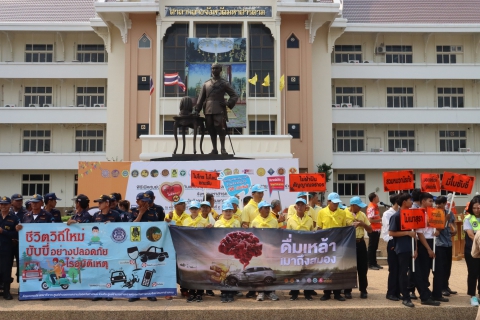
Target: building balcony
(384, 115)
(405, 71)
(246, 146)
(47, 161)
(406, 160)
(64, 115)
(53, 70)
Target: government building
(365, 85)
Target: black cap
(103, 198)
(81, 198)
(17, 196)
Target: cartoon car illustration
(32, 270)
(118, 276)
(253, 275)
(153, 253)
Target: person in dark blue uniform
(144, 214)
(158, 208)
(37, 215)
(50, 200)
(81, 210)
(19, 210)
(105, 215)
(8, 232)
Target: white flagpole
(269, 123)
(255, 108)
(150, 115)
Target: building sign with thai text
(218, 11)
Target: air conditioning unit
(400, 149)
(368, 61)
(47, 105)
(346, 105)
(377, 150)
(353, 61)
(99, 105)
(34, 105)
(335, 106)
(380, 50)
(81, 106)
(10, 106)
(464, 150)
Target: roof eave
(414, 27)
(45, 26)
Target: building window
(37, 96)
(89, 140)
(293, 42)
(174, 54)
(263, 128)
(349, 96)
(35, 184)
(144, 42)
(235, 131)
(450, 97)
(350, 141)
(401, 139)
(36, 140)
(91, 53)
(90, 96)
(351, 184)
(348, 53)
(452, 140)
(218, 30)
(398, 97)
(448, 54)
(39, 53)
(261, 60)
(398, 54)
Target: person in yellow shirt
(211, 198)
(206, 209)
(310, 211)
(302, 222)
(250, 211)
(361, 224)
(196, 220)
(237, 213)
(332, 217)
(277, 212)
(178, 214)
(226, 220)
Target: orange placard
(436, 218)
(460, 183)
(430, 182)
(310, 182)
(204, 179)
(412, 219)
(398, 180)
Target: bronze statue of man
(212, 101)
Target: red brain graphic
(242, 245)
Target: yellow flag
(282, 82)
(266, 81)
(253, 80)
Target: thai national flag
(152, 88)
(181, 84)
(170, 79)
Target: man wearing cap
(237, 213)
(105, 214)
(37, 215)
(157, 208)
(361, 224)
(373, 214)
(309, 211)
(50, 200)
(145, 213)
(115, 197)
(332, 217)
(211, 198)
(8, 224)
(212, 102)
(276, 211)
(18, 210)
(250, 211)
(178, 215)
(81, 210)
(206, 210)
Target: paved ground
(375, 307)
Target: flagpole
(255, 109)
(150, 115)
(269, 123)
(163, 106)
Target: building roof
(46, 10)
(412, 11)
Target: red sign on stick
(460, 183)
(398, 180)
(430, 182)
(412, 219)
(276, 183)
(205, 179)
(310, 182)
(436, 218)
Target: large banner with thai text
(96, 260)
(265, 259)
(172, 179)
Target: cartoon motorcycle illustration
(64, 283)
(129, 284)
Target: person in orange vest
(373, 215)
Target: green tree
(327, 169)
(73, 273)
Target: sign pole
(413, 251)
(204, 194)
(434, 240)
